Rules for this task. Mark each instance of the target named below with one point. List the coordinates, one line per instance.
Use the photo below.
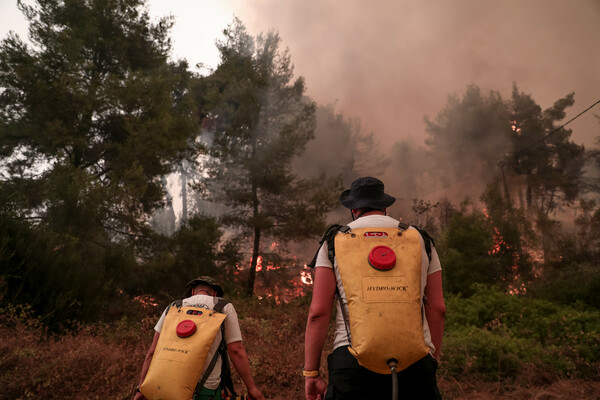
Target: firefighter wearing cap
(349, 380)
(204, 292)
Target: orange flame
(146, 301)
(306, 277)
(499, 245)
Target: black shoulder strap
(428, 240)
(220, 305)
(226, 380)
(176, 303)
(328, 237)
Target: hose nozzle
(393, 364)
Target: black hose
(393, 363)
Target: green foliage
(62, 277)
(498, 335)
(479, 351)
(584, 246)
(569, 283)
(464, 250)
(552, 164)
(262, 121)
(477, 133)
(173, 261)
(512, 233)
(486, 248)
(92, 115)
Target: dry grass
(103, 362)
(471, 388)
(87, 364)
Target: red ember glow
(500, 245)
(146, 301)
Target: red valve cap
(382, 258)
(186, 328)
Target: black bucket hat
(206, 280)
(366, 192)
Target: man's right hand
(314, 387)
(255, 394)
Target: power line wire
(501, 163)
(557, 129)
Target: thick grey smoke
(391, 62)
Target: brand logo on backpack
(375, 235)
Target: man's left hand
(314, 387)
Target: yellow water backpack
(380, 270)
(181, 353)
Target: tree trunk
(256, 247)
(255, 254)
(184, 195)
(506, 192)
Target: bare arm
(239, 358)
(319, 315)
(435, 310)
(146, 365)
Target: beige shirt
(232, 333)
(428, 267)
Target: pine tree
(92, 115)
(262, 122)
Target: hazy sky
(392, 62)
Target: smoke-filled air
(145, 143)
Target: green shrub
(495, 334)
(473, 350)
(568, 283)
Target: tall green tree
(92, 114)
(550, 164)
(543, 153)
(262, 121)
(513, 140)
(463, 249)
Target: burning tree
(545, 163)
(540, 167)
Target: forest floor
(103, 361)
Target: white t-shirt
(232, 333)
(428, 267)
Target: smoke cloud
(391, 63)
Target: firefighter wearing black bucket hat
(352, 266)
(202, 294)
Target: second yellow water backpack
(181, 352)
